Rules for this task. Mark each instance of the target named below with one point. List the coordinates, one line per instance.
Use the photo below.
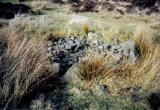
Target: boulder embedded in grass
(129, 49)
(71, 76)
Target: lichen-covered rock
(71, 76)
(130, 50)
(67, 51)
(99, 90)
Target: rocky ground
(66, 89)
(65, 53)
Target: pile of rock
(67, 51)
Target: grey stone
(50, 44)
(130, 48)
(92, 35)
(68, 47)
(56, 67)
(100, 47)
(95, 42)
(71, 76)
(55, 43)
(99, 90)
(49, 49)
(76, 91)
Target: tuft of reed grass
(85, 28)
(24, 66)
(143, 73)
(143, 38)
(91, 67)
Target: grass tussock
(144, 73)
(86, 28)
(144, 39)
(91, 67)
(24, 66)
(148, 66)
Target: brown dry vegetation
(24, 67)
(91, 67)
(143, 73)
(24, 63)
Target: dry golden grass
(25, 65)
(85, 28)
(91, 67)
(144, 73)
(144, 39)
(148, 67)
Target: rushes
(85, 28)
(25, 65)
(143, 39)
(91, 67)
(143, 73)
(149, 62)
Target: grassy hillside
(57, 59)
